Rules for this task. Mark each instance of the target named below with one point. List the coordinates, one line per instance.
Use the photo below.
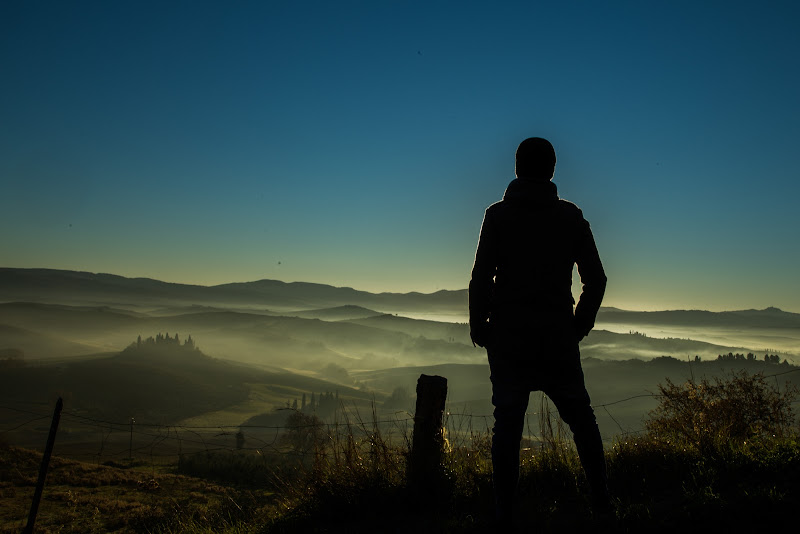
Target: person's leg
(510, 402)
(574, 406)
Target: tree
(326, 404)
(304, 433)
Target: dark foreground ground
(657, 490)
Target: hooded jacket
(528, 245)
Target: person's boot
(504, 506)
(593, 460)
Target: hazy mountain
(339, 313)
(60, 286)
(766, 318)
(83, 288)
(70, 287)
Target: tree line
(322, 405)
(164, 339)
(750, 357)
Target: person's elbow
(596, 284)
(602, 282)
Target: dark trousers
(560, 377)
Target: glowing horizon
(360, 147)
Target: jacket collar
(531, 191)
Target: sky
(358, 143)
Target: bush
(736, 409)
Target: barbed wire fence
(166, 443)
(173, 440)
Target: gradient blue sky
(358, 143)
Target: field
(355, 481)
(83, 497)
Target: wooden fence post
(48, 450)
(427, 445)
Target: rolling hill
(156, 383)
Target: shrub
(735, 409)
(305, 434)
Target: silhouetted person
(521, 310)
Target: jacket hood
(535, 191)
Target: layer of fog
(381, 354)
(761, 340)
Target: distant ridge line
(66, 287)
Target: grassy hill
(159, 385)
(85, 498)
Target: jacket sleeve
(481, 285)
(593, 278)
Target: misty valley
(158, 372)
(225, 356)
